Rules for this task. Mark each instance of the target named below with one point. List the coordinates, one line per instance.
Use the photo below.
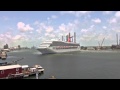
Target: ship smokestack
(117, 38)
(69, 40)
(66, 38)
(62, 38)
(119, 41)
(74, 37)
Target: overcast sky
(28, 28)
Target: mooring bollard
(37, 74)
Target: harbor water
(77, 65)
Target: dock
(17, 71)
(30, 71)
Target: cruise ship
(57, 46)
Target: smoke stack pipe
(66, 38)
(74, 37)
(119, 41)
(117, 38)
(69, 40)
(62, 38)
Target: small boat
(36, 69)
(39, 68)
(28, 71)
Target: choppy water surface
(80, 65)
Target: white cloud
(39, 38)
(5, 18)
(49, 29)
(104, 27)
(101, 37)
(109, 37)
(36, 23)
(107, 12)
(79, 13)
(17, 37)
(69, 27)
(6, 37)
(53, 16)
(84, 30)
(76, 22)
(97, 20)
(88, 37)
(38, 30)
(88, 31)
(22, 27)
(84, 12)
(76, 13)
(2, 36)
(113, 20)
(49, 35)
(67, 12)
(31, 32)
(117, 14)
(116, 29)
(92, 26)
(13, 40)
(48, 18)
(62, 27)
(42, 26)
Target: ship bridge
(45, 44)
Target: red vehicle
(11, 72)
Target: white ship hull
(53, 51)
(46, 51)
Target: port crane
(100, 45)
